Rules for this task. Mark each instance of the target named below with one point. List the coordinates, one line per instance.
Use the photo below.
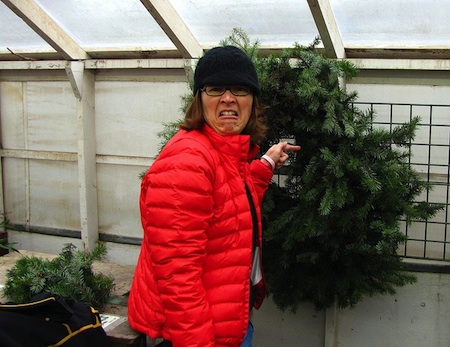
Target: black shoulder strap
(254, 217)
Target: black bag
(51, 321)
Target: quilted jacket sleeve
(176, 207)
(261, 175)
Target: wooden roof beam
(174, 27)
(328, 29)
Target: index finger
(288, 147)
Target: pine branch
(69, 275)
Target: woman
(199, 274)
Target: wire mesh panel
(429, 157)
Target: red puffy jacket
(191, 284)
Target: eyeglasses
(220, 90)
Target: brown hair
(256, 127)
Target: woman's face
(227, 114)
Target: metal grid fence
(430, 157)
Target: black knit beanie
(226, 66)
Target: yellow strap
(27, 304)
(97, 324)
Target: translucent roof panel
(274, 23)
(17, 35)
(388, 23)
(124, 24)
(127, 25)
(125, 28)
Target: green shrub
(69, 275)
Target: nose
(228, 97)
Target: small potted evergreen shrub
(5, 245)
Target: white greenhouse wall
(128, 117)
(39, 128)
(41, 138)
(40, 134)
(417, 316)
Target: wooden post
(83, 83)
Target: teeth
(228, 113)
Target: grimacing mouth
(228, 114)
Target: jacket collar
(238, 146)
